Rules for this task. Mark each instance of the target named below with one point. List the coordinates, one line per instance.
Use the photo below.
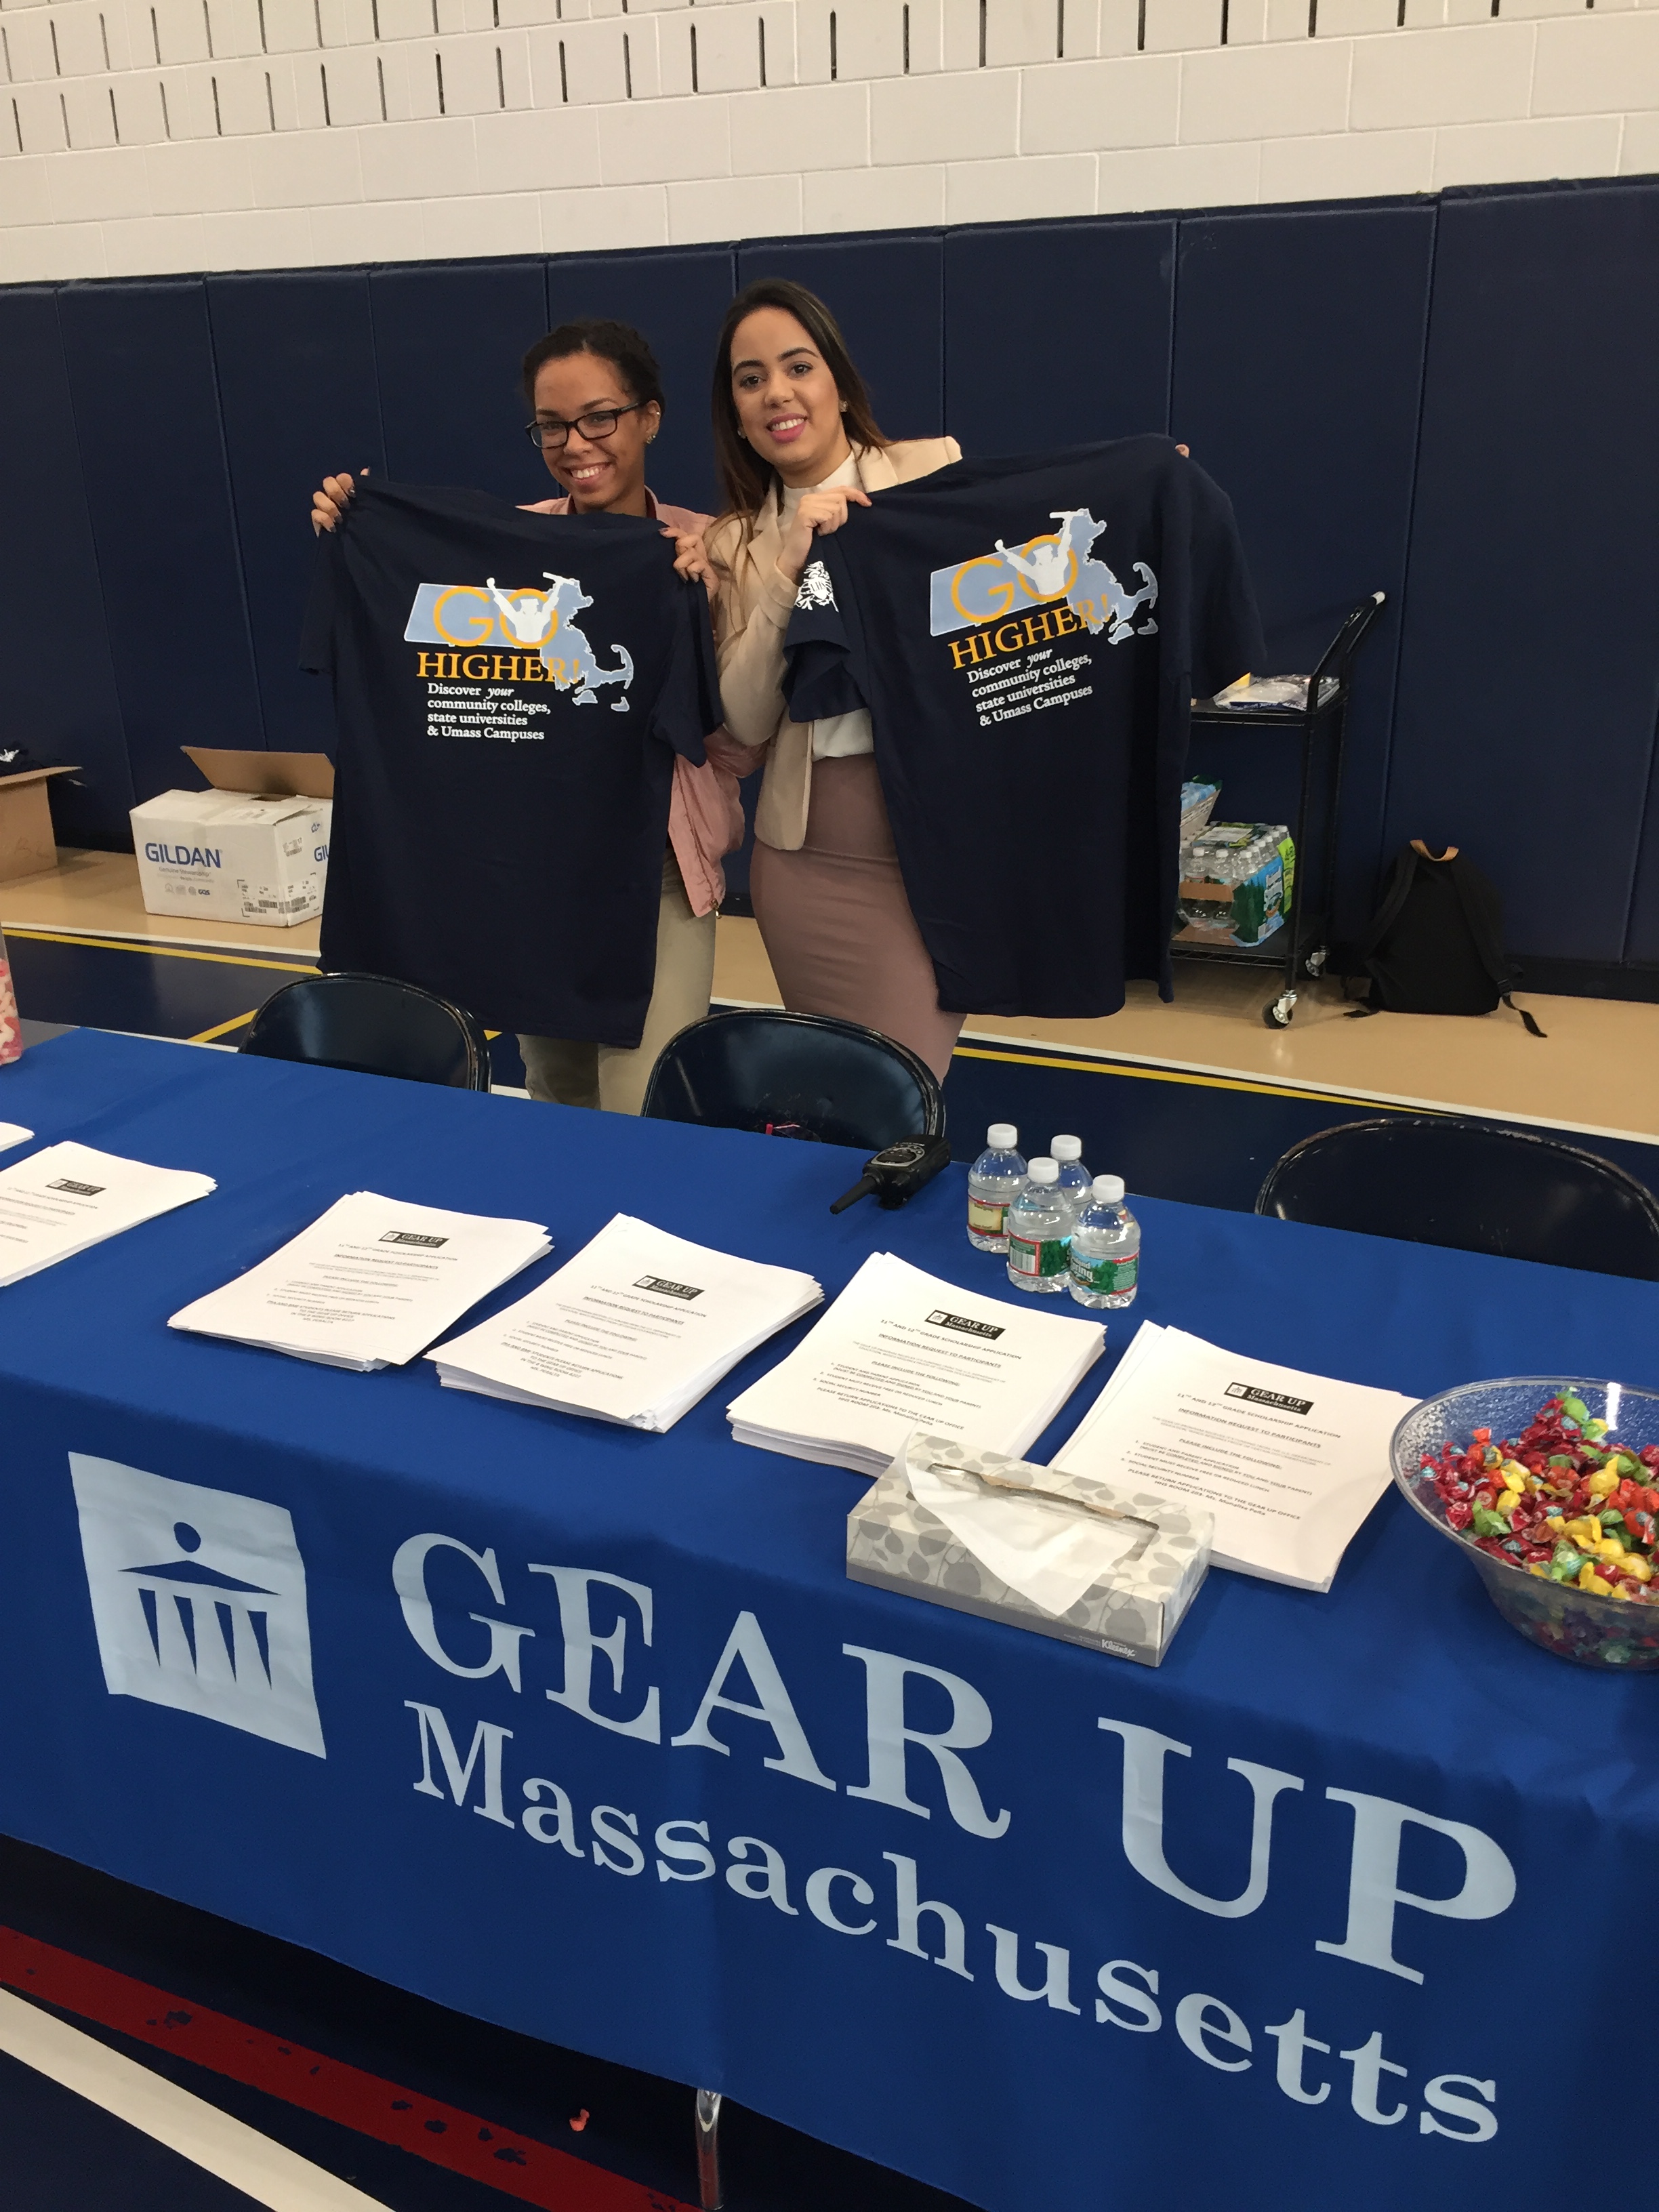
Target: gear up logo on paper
(198, 1598)
(541, 641)
(1059, 565)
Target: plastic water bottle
(1077, 1184)
(1039, 1226)
(1105, 1251)
(994, 1180)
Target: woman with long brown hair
(797, 445)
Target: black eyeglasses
(601, 424)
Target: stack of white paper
(1290, 1464)
(901, 1350)
(369, 1284)
(13, 1132)
(636, 1328)
(68, 1197)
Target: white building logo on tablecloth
(199, 1597)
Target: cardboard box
(27, 844)
(253, 847)
(895, 1543)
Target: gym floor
(153, 2059)
(1194, 1100)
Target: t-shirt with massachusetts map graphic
(511, 689)
(1028, 635)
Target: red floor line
(534, 2173)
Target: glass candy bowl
(1575, 1624)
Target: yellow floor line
(223, 1028)
(1167, 1075)
(160, 952)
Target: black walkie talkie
(898, 1173)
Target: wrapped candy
(1565, 1500)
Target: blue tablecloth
(1222, 1995)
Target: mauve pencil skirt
(836, 924)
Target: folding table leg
(709, 2150)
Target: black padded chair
(371, 1025)
(797, 1075)
(1435, 1179)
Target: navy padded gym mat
(143, 383)
(295, 359)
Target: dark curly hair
(619, 344)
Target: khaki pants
(563, 1071)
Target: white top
(839, 736)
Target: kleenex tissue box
(1071, 1556)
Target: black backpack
(1434, 946)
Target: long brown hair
(745, 478)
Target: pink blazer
(705, 815)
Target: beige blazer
(752, 607)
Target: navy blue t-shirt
(1028, 636)
(510, 690)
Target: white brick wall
(157, 135)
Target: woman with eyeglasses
(596, 394)
(797, 445)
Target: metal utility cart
(1299, 946)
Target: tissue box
(893, 1543)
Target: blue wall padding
(143, 384)
(1529, 668)
(677, 299)
(59, 697)
(1299, 370)
(886, 291)
(1052, 324)
(448, 339)
(1449, 399)
(1641, 940)
(298, 391)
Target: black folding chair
(1435, 1179)
(795, 1075)
(371, 1025)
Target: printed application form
(636, 1327)
(369, 1284)
(61, 1200)
(1290, 1464)
(900, 1350)
(13, 1132)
